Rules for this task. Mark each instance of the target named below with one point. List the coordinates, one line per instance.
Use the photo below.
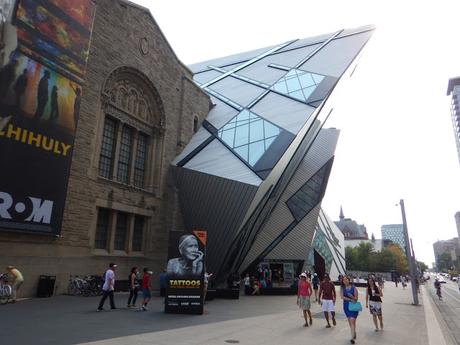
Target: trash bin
(46, 286)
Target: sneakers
(144, 308)
(99, 309)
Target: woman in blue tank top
(350, 294)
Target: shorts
(146, 293)
(328, 305)
(375, 308)
(304, 302)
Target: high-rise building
(457, 222)
(454, 88)
(394, 233)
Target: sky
(396, 138)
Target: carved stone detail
(131, 92)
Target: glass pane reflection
(298, 84)
(249, 135)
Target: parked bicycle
(5, 289)
(87, 286)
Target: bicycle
(5, 289)
(88, 286)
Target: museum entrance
(319, 265)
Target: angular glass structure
(255, 174)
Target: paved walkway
(266, 320)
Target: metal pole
(409, 256)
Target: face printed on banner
(190, 249)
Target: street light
(410, 257)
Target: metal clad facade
(296, 245)
(214, 204)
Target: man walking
(108, 287)
(328, 296)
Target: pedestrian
(163, 280)
(255, 287)
(17, 280)
(303, 298)
(350, 296)
(458, 282)
(380, 282)
(403, 282)
(374, 302)
(133, 280)
(326, 298)
(108, 287)
(146, 286)
(315, 282)
(247, 284)
(207, 276)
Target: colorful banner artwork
(40, 95)
(185, 274)
(50, 31)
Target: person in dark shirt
(315, 282)
(374, 302)
(326, 298)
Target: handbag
(355, 306)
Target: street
(449, 309)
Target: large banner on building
(40, 95)
(185, 274)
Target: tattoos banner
(40, 93)
(185, 274)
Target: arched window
(132, 132)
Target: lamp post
(409, 256)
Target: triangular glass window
(298, 84)
(249, 136)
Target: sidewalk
(253, 320)
(404, 324)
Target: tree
(422, 266)
(401, 265)
(350, 258)
(363, 254)
(364, 258)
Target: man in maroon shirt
(327, 299)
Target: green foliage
(422, 266)
(364, 258)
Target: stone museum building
(236, 146)
(138, 110)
